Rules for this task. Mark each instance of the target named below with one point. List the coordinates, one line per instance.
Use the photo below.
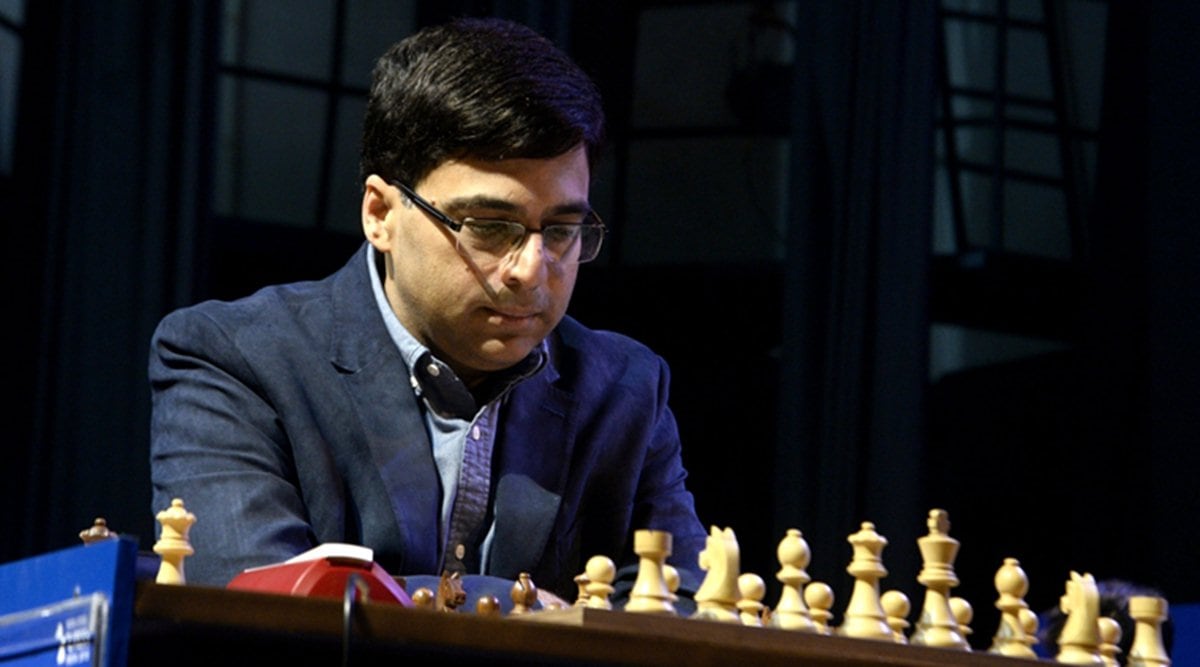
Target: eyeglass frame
(456, 225)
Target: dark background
(806, 375)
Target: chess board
(758, 646)
(197, 625)
(731, 623)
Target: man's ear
(378, 200)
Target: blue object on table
(68, 607)
(1185, 621)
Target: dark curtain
(1148, 214)
(1084, 459)
(102, 215)
(856, 281)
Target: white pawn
(650, 594)
(600, 572)
(750, 606)
(671, 576)
(1148, 614)
(1110, 639)
(896, 606)
(1029, 623)
(864, 617)
(937, 626)
(173, 543)
(963, 613)
(819, 598)
(791, 613)
(581, 581)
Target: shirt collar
(432, 379)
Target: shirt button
(433, 370)
(475, 433)
(460, 551)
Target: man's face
(478, 316)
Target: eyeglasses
(493, 240)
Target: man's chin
(498, 355)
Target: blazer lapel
(391, 468)
(531, 471)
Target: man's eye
(558, 234)
(490, 229)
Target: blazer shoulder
(305, 305)
(600, 354)
(264, 309)
(576, 335)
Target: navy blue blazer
(285, 419)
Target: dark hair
(481, 88)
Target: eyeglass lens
(560, 242)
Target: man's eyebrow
(458, 204)
(475, 202)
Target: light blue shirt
(461, 433)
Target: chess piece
(1079, 641)
(896, 607)
(98, 532)
(1012, 584)
(1029, 623)
(524, 594)
(791, 613)
(671, 576)
(1110, 638)
(864, 617)
(172, 544)
(582, 581)
(962, 612)
(650, 594)
(487, 605)
(450, 593)
(716, 599)
(752, 589)
(600, 572)
(819, 598)
(1147, 650)
(937, 626)
(423, 598)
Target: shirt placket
(470, 502)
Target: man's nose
(527, 263)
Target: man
(430, 400)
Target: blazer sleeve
(662, 499)
(629, 472)
(217, 443)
